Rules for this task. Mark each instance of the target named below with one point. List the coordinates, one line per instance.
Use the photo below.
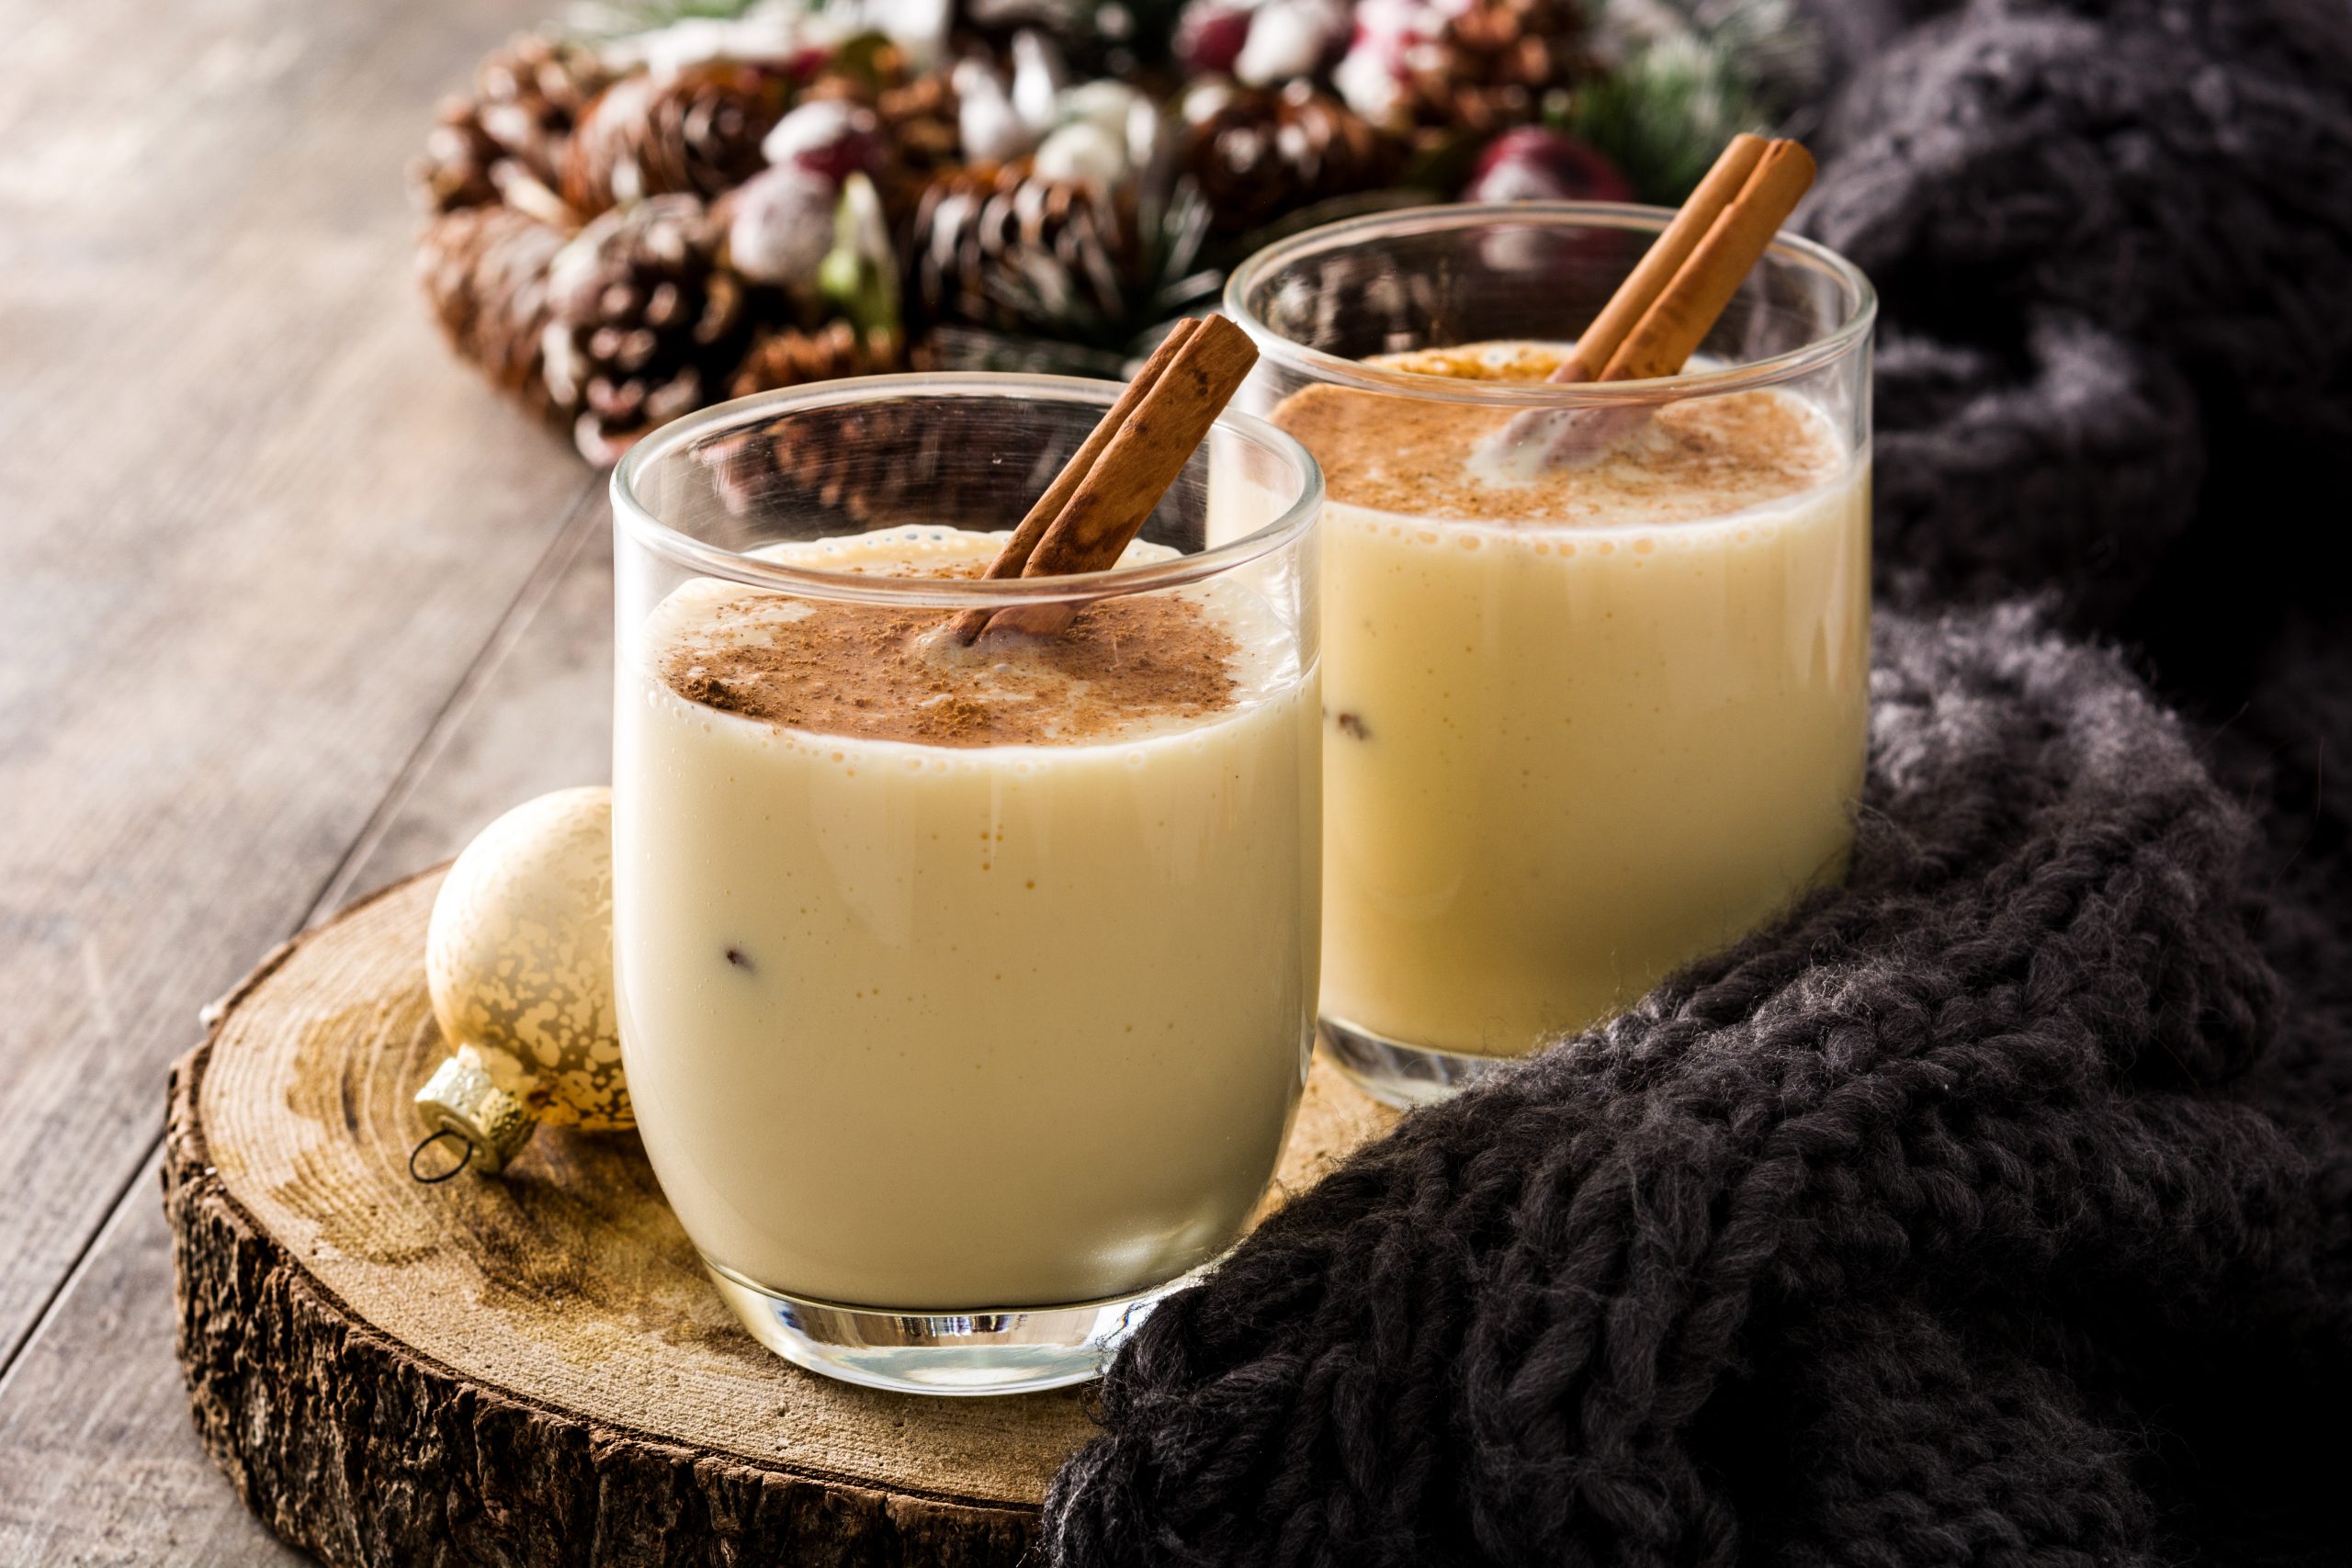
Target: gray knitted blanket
(1998, 1207)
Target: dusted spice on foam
(880, 672)
(1415, 457)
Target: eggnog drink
(1589, 722)
(962, 979)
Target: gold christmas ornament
(519, 959)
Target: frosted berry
(1535, 164)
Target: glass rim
(1861, 300)
(638, 523)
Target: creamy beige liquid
(1583, 729)
(918, 1017)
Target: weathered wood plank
(256, 527)
(534, 715)
(98, 1466)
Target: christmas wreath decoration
(651, 207)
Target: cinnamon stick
(1678, 320)
(1010, 561)
(1108, 504)
(1665, 257)
(1649, 328)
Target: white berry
(782, 227)
(1084, 151)
(1290, 38)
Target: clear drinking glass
(964, 1023)
(1585, 730)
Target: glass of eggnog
(965, 990)
(1596, 653)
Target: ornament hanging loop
(428, 1142)
(462, 1100)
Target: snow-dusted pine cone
(528, 98)
(454, 171)
(484, 268)
(697, 132)
(1257, 154)
(1094, 40)
(999, 246)
(645, 322)
(1497, 64)
(531, 95)
(791, 359)
(919, 124)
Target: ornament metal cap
(462, 1099)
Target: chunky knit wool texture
(1996, 1208)
(1800, 1249)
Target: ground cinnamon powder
(1700, 457)
(878, 673)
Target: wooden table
(288, 606)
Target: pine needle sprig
(624, 18)
(1680, 78)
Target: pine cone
(998, 246)
(919, 123)
(791, 359)
(1257, 154)
(528, 96)
(454, 170)
(485, 270)
(531, 96)
(1496, 65)
(1097, 39)
(644, 320)
(697, 132)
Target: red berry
(1535, 164)
(1209, 36)
(829, 137)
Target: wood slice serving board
(531, 1369)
